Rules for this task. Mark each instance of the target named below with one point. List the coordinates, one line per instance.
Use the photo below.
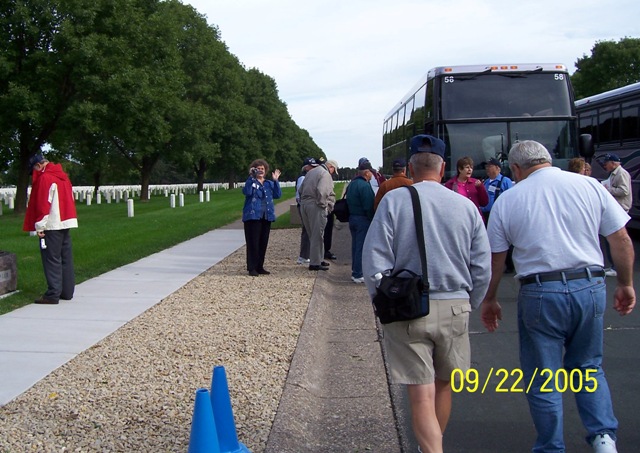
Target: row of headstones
(84, 194)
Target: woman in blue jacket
(258, 213)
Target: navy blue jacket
(258, 201)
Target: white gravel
(134, 391)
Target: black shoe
(330, 256)
(325, 264)
(253, 273)
(44, 301)
(263, 272)
(318, 268)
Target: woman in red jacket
(468, 187)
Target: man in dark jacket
(360, 198)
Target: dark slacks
(256, 235)
(57, 262)
(328, 232)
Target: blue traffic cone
(204, 437)
(223, 413)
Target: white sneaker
(603, 443)
(357, 280)
(610, 272)
(301, 260)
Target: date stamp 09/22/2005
(513, 381)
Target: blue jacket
(258, 201)
(494, 189)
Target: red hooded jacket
(51, 203)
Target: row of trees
(115, 86)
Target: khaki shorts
(420, 350)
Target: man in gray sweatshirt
(423, 353)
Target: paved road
(500, 422)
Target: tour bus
(480, 111)
(613, 120)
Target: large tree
(212, 80)
(611, 65)
(39, 69)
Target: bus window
(419, 108)
(607, 125)
(630, 123)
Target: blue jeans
(358, 225)
(560, 326)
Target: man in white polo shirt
(553, 218)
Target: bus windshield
(482, 141)
(489, 95)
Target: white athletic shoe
(301, 260)
(603, 443)
(357, 280)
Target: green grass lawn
(106, 238)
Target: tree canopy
(612, 64)
(106, 84)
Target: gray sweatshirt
(458, 253)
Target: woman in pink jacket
(468, 187)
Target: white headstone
(130, 208)
(173, 200)
(181, 200)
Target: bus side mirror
(585, 145)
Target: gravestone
(8, 272)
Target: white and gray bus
(481, 110)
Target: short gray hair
(425, 160)
(528, 153)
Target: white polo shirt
(553, 219)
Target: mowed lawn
(106, 238)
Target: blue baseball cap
(610, 157)
(427, 144)
(35, 159)
(399, 163)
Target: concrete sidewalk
(336, 397)
(37, 339)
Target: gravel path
(134, 391)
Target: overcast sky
(341, 65)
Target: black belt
(561, 276)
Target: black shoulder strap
(417, 216)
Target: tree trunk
(24, 178)
(200, 171)
(96, 183)
(148, 162)
(231, 179)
